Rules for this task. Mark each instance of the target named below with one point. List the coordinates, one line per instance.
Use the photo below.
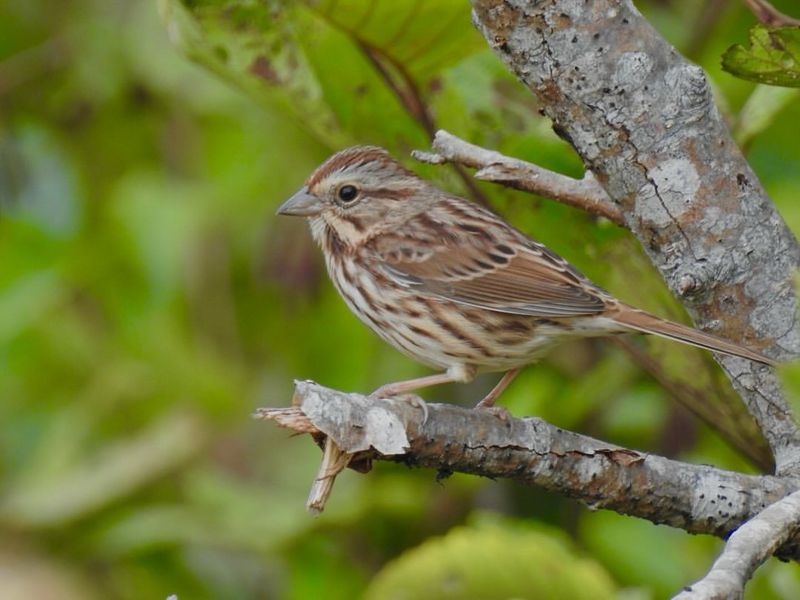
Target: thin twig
(769, 15)
(410, 97)
(407, 93)
(585, 193)
(748, 547)
(334, 460)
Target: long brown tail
(647, 323)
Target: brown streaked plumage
(450, 283)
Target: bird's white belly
(443, 334)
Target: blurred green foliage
(149, 301)
(773, 57)
(462, 564)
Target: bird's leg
(488, 400)
(461, 374)
(399, 387)
(456, 373)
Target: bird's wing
(493, 267)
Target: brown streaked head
(357, 192)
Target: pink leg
(399, 387)
(507, 378)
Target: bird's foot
(500, 412)
(388, 391)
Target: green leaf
(361, 101)
(790, 376)
(338, 68)
(253, 46)
(773, 58)
(504, 559)
(761, 110)
(421, 37)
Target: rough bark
(584, 193)
(643, 121)
(748, 547)
(491, 443)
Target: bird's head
(358, 193)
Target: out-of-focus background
(150, 301)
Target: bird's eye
(348, 193)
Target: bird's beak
(302, 204)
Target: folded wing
(480, 265)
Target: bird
(450, 283)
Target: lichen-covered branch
(748, 547)
(583, 193)
(643, 121)
(696, 498)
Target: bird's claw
(385, 391)
(415, 401)
(500, 412)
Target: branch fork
(585, 193)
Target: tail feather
(647, 323)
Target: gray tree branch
(643, 121)
(490, 443)
(583, 193)
(748, 547)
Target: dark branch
(409, 95)
(769, 15)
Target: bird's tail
(647, 323)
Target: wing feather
(477, 266)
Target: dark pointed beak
(302, 204)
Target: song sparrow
(450, 283)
